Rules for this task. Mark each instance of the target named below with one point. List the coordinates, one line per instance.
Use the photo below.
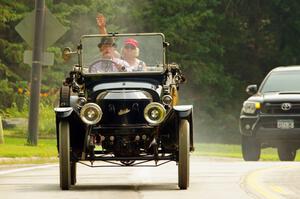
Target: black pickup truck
(271, 116)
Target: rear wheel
(286, 153)
(184, 154)
(250, 148)
(64, 155)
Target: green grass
(16, 147)
(234, 151)
(46, 151)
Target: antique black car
(122, 114)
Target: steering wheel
(102, 65)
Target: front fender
(186, 112)
(183, 111)
(63, 112)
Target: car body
(123, 118)
(271, 116)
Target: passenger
(108, 63)
(130, 53)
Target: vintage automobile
(122, 117)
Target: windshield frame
(123, 35)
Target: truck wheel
(286, 153)
(250, 148)
(184, 155)
(64, 155)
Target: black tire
(73, 173)
(64, 98)
(64, 155)
(184, 155)
(250, 148)
(286, 153)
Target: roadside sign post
(36, 72)
(40, 29)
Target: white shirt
(109, 65)
(138, 65)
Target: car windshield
(282, 81)
(122, 53)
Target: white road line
(26, 169)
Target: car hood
(128, 86)
(128, 90)
(276, 97)
(124, 95)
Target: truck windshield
(282, 81)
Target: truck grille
(275, 108)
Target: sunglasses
(130, 47)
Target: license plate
(285, 124)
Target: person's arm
(121, 65)
(144, 66)
(101, 23)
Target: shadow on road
(82, 188)
(135, 187)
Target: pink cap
(132, 42)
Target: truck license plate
(285, 124)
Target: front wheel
(184, 155)
(250, 148)
(286, 153)
(64, 99)
(64, 155)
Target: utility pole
(36, 72)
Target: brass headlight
(91, 113)
(154, 113)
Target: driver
(108, 63)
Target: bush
(47, 121)
(46, 116)
(7, 95)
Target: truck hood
(276, 97)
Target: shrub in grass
(46, 117)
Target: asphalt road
(210, 178)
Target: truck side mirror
(251, 89)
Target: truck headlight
(154, 113)
(251, 107)
(91, 113)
